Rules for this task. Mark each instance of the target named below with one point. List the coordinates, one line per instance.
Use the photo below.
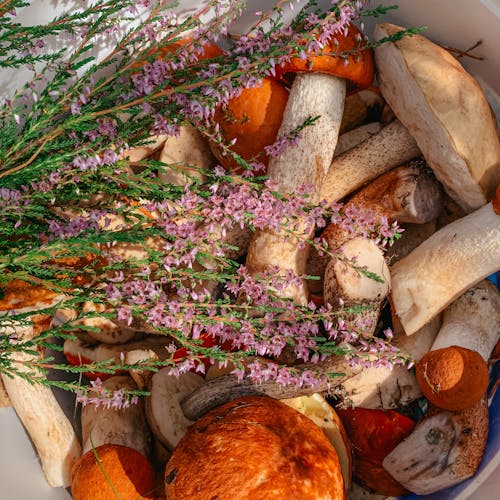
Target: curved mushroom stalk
(124, 426)
(306, 163)
(391, 147)
(222, 389)
(444, 108)
(444, 449)
(426, 281)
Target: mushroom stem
(356, 136)
(306, 163)
(36, 406)
(472, 321)
(227, 387)
(4, 397)
(391, 147)
(125, 426)
(427, 280)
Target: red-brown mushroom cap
(253, 118)
(118, 472)
(357, 67)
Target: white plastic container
(455, 23)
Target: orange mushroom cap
(253, 118)
(453, 378)
(120, 472)
(496, 201)
(357, 68)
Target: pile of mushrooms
(434, 140)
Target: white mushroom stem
(391, 147)
(439, 270)
(386, 388)
(124, 426)
(39, 411)
(222, 389)
(444, 449)
(47, 425)
(140, 375)
(346, 285)
(356, 136)
(472, 321)
(306, 163)
(444, 108)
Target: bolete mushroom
(316, 91)
(254, 447)
(444, 266)
(444, 108)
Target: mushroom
(406, 193)
(252, 120)
(351, 139)
(112, 471)
(391, 147)
(316, 408)
(4, 397)
(109, 425)
(313, 94)
(374, 434)
(163, 406)
(359, 108)
(138, 153)
(454, 374)
(444, 266)
(35, 404)
(254, 447)
(444, 108)
(444, 449)
(187, 156)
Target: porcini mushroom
(316, 91)
(125, 426)
(444, 266)
(444, 449)
(444, 108)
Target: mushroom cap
(18, 294)
(445, 110)
(496, 201)
(254, 447)
(357, 68)
(374, 434)
(253, 118)
(453, 378)
(120, 469)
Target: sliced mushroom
(444, 449)
(444, 108)
(124, 426)
(445, 265)
(163, 407)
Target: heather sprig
(79, 219)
